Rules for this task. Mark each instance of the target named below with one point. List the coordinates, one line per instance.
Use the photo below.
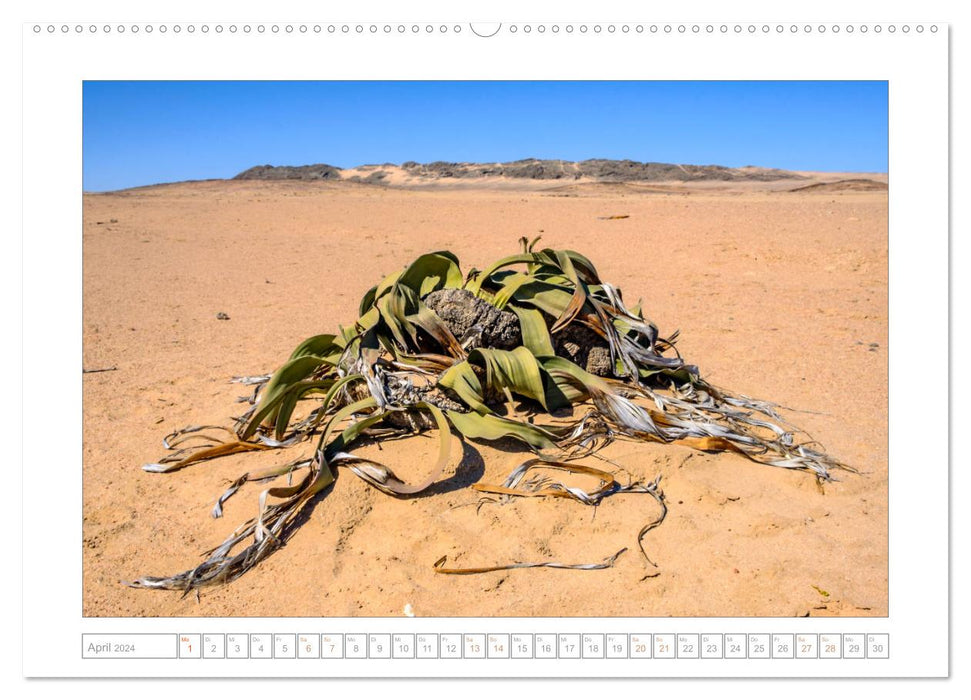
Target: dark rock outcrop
(470, 318)
(584, 348)
(320, 171)
(596, 169)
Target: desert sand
(779, 295)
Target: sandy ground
(778, 295)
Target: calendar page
(423, 346)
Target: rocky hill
(594, 170)
(321, 171)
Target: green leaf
(576, 383)
(461, 379)
(326, 346)
(367, 301)
(289, 402)
(431, 272)
(579, 297)
(536, 336)
(351, 432)
(491, 427)
(516, 370)
(548, 298)
(385, 284)
(291, 373)
(486, 275)
(393, 309)
(509, 287)
(583, 266)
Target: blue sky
(140, 133)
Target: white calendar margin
(914, 65)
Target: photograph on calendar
(485, 349)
